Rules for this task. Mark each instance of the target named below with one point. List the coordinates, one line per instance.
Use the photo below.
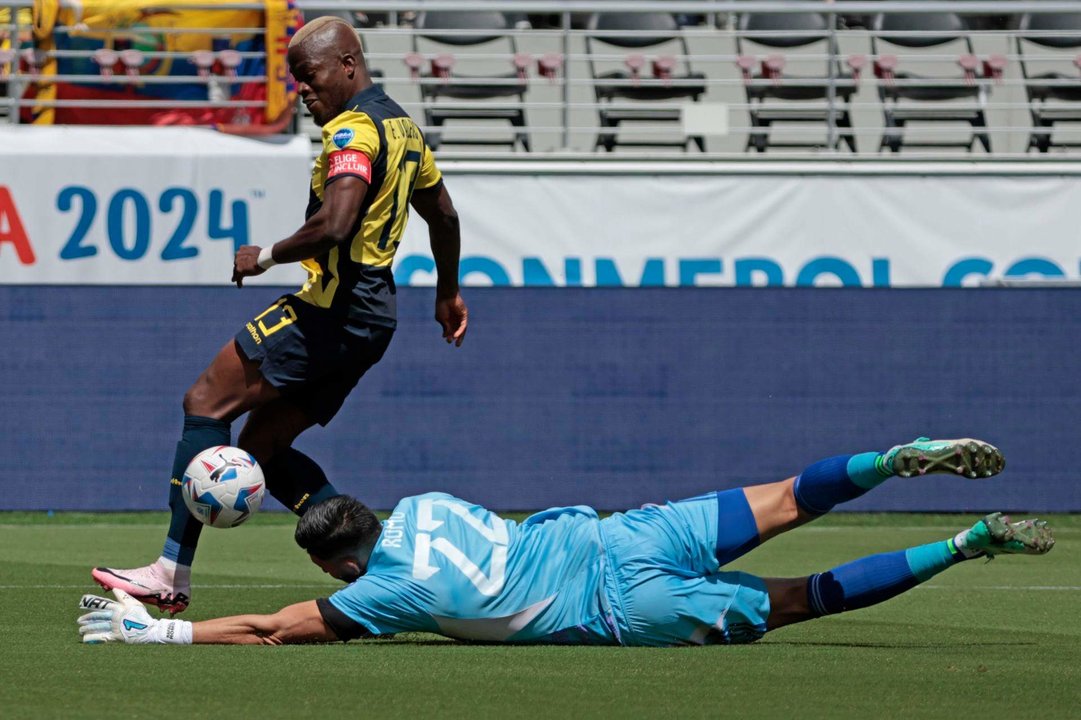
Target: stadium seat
(640, 81)
(954, 90)
(772, 97)
(449, 94)
(1053, 85)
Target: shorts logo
(343, 137)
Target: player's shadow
(448, 642)
(952, 644)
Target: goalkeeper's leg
(781, 506)
(876, 578)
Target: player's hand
(452, 314)
(246, 264)
(122, 620)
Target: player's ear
(349, 62)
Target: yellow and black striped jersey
(375, 140)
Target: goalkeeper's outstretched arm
(126, 620)
(292, 625)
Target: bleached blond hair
(318, 24)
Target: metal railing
(838, 90)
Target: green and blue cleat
(996, 534)
(966, 456)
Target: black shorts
(312, 356)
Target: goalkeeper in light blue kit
(651, 576)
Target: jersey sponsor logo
(343, 137)
(350, 162)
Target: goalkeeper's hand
(126, 620)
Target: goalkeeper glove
(126, 620)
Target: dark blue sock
(872, 579)
(838, 479)
(297, 481)
(199, 434)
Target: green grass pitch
(984, 639)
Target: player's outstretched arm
(292, 625)
(437, 209)
(333, 224)
(126, 620)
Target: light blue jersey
(644, 577)
(447, 566)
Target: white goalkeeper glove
(126, 620)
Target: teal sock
(868, 470)
(926, 561)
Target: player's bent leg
(781, 506)
(292, 477)
(877, 578)
(229, 386)
(839, 479)
(167, 581)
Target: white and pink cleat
(168, 588)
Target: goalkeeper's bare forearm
(293, 625)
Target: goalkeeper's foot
(996, 534)
(153, 584)
(968, 457)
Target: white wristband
(171, 632)
(266, 258)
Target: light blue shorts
(664, 581)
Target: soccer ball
(223, 486)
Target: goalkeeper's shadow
(921, 645)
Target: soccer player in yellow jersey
(293, 365)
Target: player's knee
(788, 602)
(193, 400)
(202, 400)
(788, 506)
(776, 504)
(199, 400)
